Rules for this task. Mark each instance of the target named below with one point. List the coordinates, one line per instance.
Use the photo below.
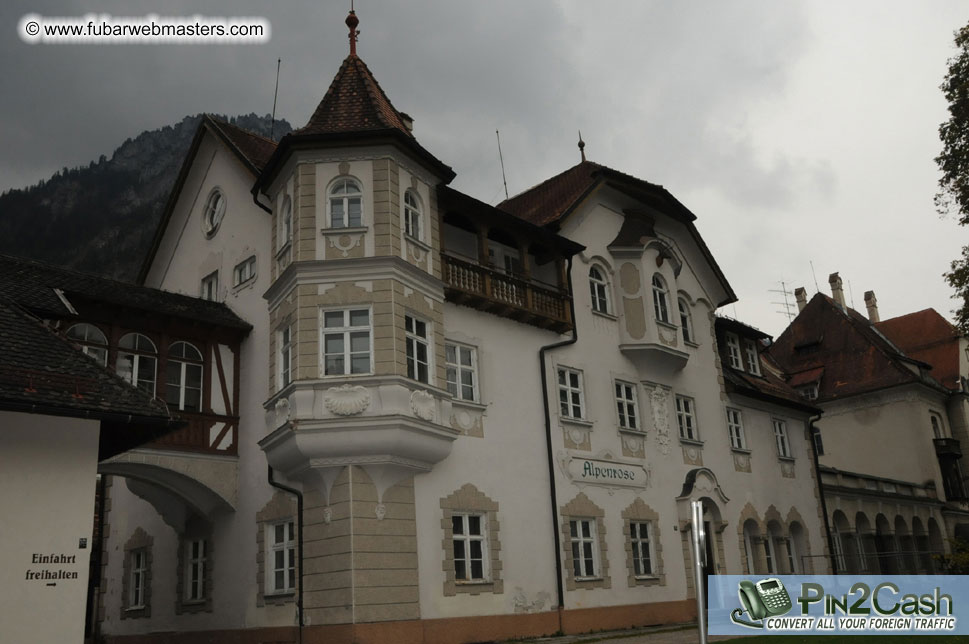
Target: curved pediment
(701, 481)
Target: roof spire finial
(581, 146)
(352, 22)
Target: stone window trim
(279, 508)
(413, 223)
(581, 507)
(139, 541)
(194, 531)
(639, 511)
(469, 500)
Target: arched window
(137, 361)
(686, 321)
(346, 204)
(184, 378)
(91, 340)
(599, 287)
(213, 213)
(285, 223)
(413, 216)
(661, 301)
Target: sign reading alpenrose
(588, 470)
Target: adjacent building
(894, 418)
(438, 420)
(62, 412)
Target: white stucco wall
(49, 467)
(184, 257)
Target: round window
(214, 211)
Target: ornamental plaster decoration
(787, 470)
(346, 400)
(343, 168)
(469, 422)
(741, 462)
(422, 404)
(523, 604)
(578, 435)
(416, 252)
(380, 511)
(632, 442)
(282, 412)
(327, 515)
(344, 243)
(667, 336)
(692, 456)
(658, 399)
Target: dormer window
(809, 392)
(346, 204)
(600, 290)
(753, 359)
(661, 301)
(733, 351)
(213, 213)
(413, 214)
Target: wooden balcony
(206, 433)
(509, 296)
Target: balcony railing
(491, 290)
(207, 433)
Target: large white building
(450, 422)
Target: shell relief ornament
(422, 404)
(346, 400)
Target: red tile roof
(354, 103)
(549, 200)
(855, 356)
(927, 336)
(254, 149)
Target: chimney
(408, 121)
(872, 305)
(836, 291)
(801, 296)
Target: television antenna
(787, 308)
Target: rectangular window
(582, 533)
(418, 353)
(642, 557)
(470, 546)
(461, 363)
(244, 271)
(210, 287)
(735, 427)
(195, 570)
(818, 443)
(139, 573)
(686, 418)
(347, 338)
(285, 370)
(626, 405)
(281, 555)
(753, 360)
(791, 557)
(733, 351)
(571, 398)
(780, 436)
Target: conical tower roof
(354, 111)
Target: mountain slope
(101, 218)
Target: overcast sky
(797, 132)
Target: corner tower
(357, 400)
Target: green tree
(953, 195)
